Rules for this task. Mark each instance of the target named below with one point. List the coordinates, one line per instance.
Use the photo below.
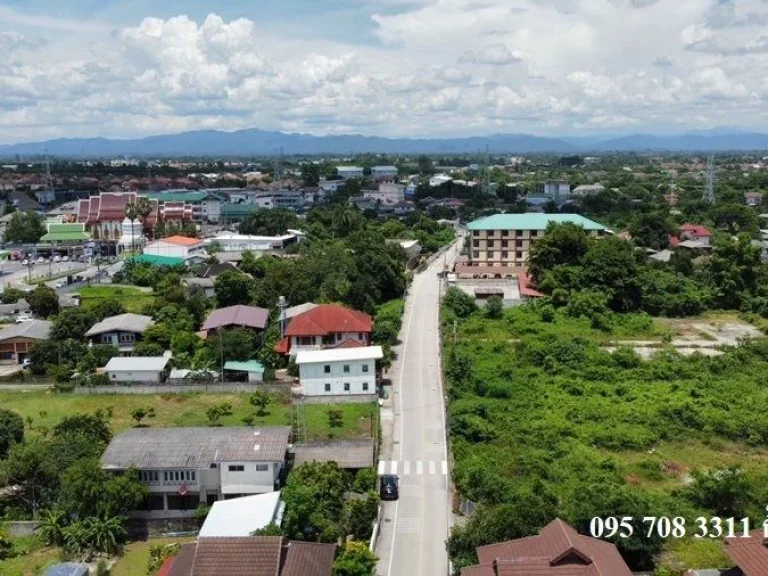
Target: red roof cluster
(111, 207)
(749, 554)
(696, 230)
(558, 550)
(329, 319)
(527, 289)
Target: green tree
(92, 427)
(11, 295)
(72, 323)
(260, 400)
(459, 302)
(87, 490)
(355, 560)
(142, 412)
(270, 222)
(95, 535)
(33, 470)
(147, 349)
(43, 301)
(610, 265)
(217, 412)
(232, 288)
(335, 419)
(239, 344)
(726, 492)
(494, 307)
(107, 308)
(562, 245)
(736, 219)
(51, 526)
(310, 173)
(733, 271)
(24, 228)
(11, 430)
(651, 230)
(270, 529)
(360, 515)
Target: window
(365, 386)
(237, 468)
(360, 336)
(505, 243)
(476, 234)
(327, 369)
(476, 254)
(505, 254)
(519, 244)
(519, 255)
(365, 367)
(306, 340)
(346, 368)
(504, 233)
(262, 467)
(327, 387)
(490, 254)
(126, 337)
(476, 243)
(346, 386)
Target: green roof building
(158, 260)
(254, 369)
(237, 212)
(66, 233)
(502, 241)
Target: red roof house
(749, 554)
(326, 326)
(558, 550)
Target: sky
(397, 68)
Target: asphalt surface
(415, 527)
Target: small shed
(254, 369)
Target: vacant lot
(44, 409)
(136, 555)
(133, 299)
(543, 419)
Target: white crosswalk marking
(382, 466)
(432, 467)
(406, 468)
(419, 467)
(394, 466)
(445, 468)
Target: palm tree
(143, 209)
(343, 219)
(105, 533)
(132, 213)
(51, 527)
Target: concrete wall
(339, 399)
(134, 376)
(313, 377)
(250, 480)
(233, 388)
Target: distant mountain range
(260, 142)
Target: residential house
(349, 172)
(252, 556)
(138, 369)
(558, 549)
(326, 326)
(243, 516)
(339, 371)
(236, 317)
(122, 331)
(389, 193)
(587, 190)
(231, 242)
(184, 467)
(175, 247)
(753, 198)
(506, 239)
(384, 172)
(749, 554)
(699, 235)
(18, 339)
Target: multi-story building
(348, 172)
(205, 206)
(387, 193)
(186, 467)
(506, 239)
(557, 190)
(326, 326)
(339, 372)
(122, 331)
(384, 172)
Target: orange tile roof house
(326, 326)
(558, 550)
(175, 247)
(253, 556)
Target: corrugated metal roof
(137, 363)
(123, 322)
(339, 355)
(531, 221)
(249, 316)
(309, 559)
(241, 516)
(160, 448)
(249, 366)
(158, 260)
(35, 330)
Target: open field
(541, 414)
(46, 409)
(133, 299)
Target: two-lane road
(415, 528)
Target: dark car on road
(388, 487)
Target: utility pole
(221, 356)
(709, 188)
(281, 306)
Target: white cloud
(439, 67)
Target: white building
(439, 179)
(231, 242)
(121, 369)
(384, 172)
(175, 247)
(348, 172)
(184, 467)
(588, 189)
(331, 186)
(243, 516)
(388, 193)
(339, 371)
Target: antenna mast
(709, 188)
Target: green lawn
(33, 558)
(136, 555)
(47, 408)
(133, 299)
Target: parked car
(65, 259)
(388, 487)
(60, 284)
(26, 363)
(57, 258)
(25, 262)
(21, 318)
(41, 260)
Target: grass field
(34, 558)
(46, 409)
(133, 299)
(136, 555)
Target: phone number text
(664, 527)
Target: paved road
(414, 529)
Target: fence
(376, 530)
(338, 399)
(21, 528)
(212, 388)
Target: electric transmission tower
(709, 188)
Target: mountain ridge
(254, 142)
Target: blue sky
(82, 68)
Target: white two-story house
(339, 372)
(326, 326)
(185, 467)
(122, 331)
